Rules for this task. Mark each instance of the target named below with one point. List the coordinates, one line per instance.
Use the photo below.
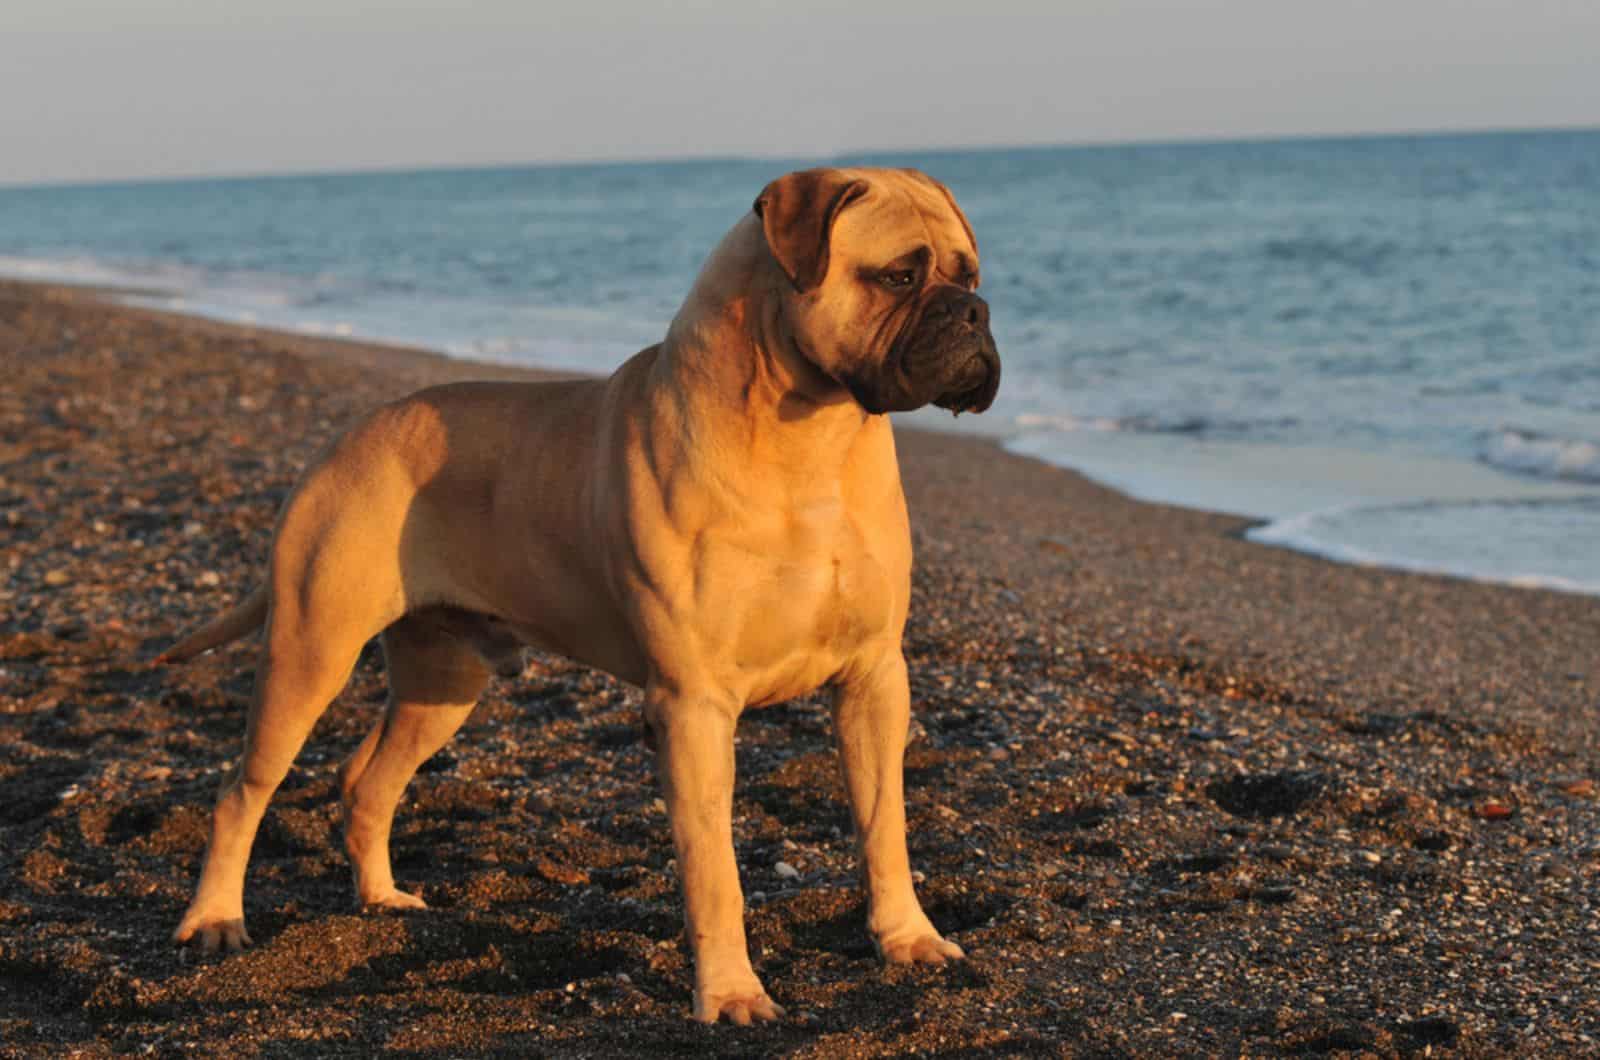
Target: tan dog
(720, 522)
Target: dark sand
(1175, 793)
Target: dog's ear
(797, 213)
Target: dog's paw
(393, 900)
(742, 1005)
(212, 934)
(930, 948)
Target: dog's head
(880, 271)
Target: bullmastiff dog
(720, 522)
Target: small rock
(1431, 1030)
(209, 579)
(1433, 841)
(786, 871)
(1491, 810)
(1556, 869)
(56, 577)
(1583, 788)
(1265, 795)
(555, 872)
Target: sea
(1384, 350)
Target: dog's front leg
(694, 758)
(872, 715)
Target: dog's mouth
(970, 388)
(946, 356)
(974, 386)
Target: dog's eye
(898, 279)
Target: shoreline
(1281, 530)
(1155, 770)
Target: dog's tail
(247, 616)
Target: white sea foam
(175, 285)
(1038, 421)
(1525, 544)
(80, 269)
(1543, 455)
(1390, 510)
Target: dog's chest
(798, 602)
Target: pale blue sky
(104, 89)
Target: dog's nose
(977, 312)
(968, 309)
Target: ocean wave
(1353, 252)
(166, 279)
(1494, 541)
(561, 338)
(1065, 422)
(1187, 423)
(1202, 424)
(86, 271)
(1542, 455)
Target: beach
(1175, 792)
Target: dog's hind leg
(330, 593)
(434, 682)
(300, 673)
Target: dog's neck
(735, 366)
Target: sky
(118, 89)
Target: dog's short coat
(720, 522)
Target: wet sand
(1174, 792)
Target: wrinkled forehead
(899, 215)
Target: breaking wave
(1542, 455)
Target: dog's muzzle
(946, 358)
(975, 383)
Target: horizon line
(756, 157)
